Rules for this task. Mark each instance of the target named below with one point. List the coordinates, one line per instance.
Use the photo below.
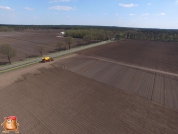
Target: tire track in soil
(159, 90)
(168, 97)
(146, 87)
(61, 65)
(115, 78)
(86, 68)
(107, 75)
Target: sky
(122, 13)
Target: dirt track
(132, 66)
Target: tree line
(102, 32)
(152, 34)
(132, 33)
(91, 34)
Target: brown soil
(59, 101)
(157, 86)
(79, 94)
(25, 42)
(14, 75)
(150, 54)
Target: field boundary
(130, 65)
(27, 62)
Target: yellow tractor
(46, 59)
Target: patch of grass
(18, 67)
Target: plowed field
(25, 42)
(59, 101)
(96, 91)
(149, 54)
(157, 87)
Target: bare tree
(60, 44)
(26, 55)
(40, 49)
(69, 41)
(8, 51)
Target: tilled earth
(86, 94)
(151, 54)
(25, 43)
(155, 86)
(59, 101)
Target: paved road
(36, 60)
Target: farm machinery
(47, 59)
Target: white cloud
(30, 9)
(131, 14)
(176, 1)
(62, 8)
(54, 1)
(117, 14)
(162, 14)
(89, 14)
(5, 8)
(149, 4)
(127, 5)
(146, 14)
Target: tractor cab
(47, 59)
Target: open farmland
(26, 41)
(88, 93)
(59, 101)
(148, 69)
(157, 87)
(150, 54)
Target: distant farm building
(113, 39)
(62, 33)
